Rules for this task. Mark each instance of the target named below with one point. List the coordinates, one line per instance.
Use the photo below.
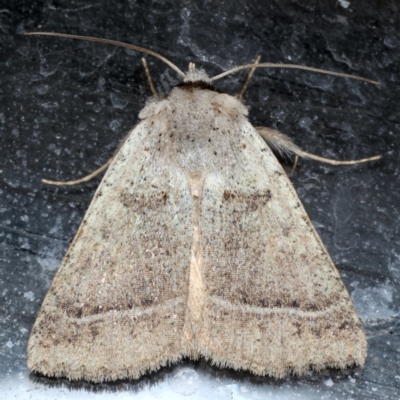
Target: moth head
(196, 75)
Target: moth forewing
(117, 304)
(195, 244)
(283, 307)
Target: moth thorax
(203, 130)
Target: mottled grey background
(64, 106)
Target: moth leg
(296, 159)
(94, 173)
(84, 179)
(284, 146)
(247, 81)
(106, 165)
(146, 69)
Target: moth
(196, 245)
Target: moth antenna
(284, 145)
(113, 42)
(293, 66)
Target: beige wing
(274, 301)
(116, 307)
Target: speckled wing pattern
(275, 303)
(195, 244)
(118, 301)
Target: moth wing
(116, 307)
(274, 301)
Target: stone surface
(65, 105)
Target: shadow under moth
(196, 245)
